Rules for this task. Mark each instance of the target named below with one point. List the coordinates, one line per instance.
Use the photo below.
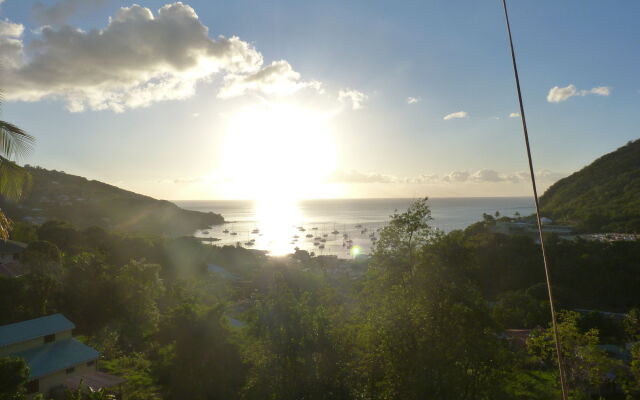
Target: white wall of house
(56, 379)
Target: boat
(234, 233)
(205, 232)
(321, 246)
(309, 235)
(358, 226)
(323, 240)
(316, 243)
(255, 230)
(225, 231)
(335, 232)
(325, 235)
(315, 228)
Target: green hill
(603, 196)
(83, 202)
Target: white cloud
(459, 114)
(279, 78)
(481, 176)
(354, 97)
(11, 29)
(60, 12)
(456, 176)
(486, 175)
(360, 177)
(557, 94)
(600, 91)
(138, 59)
(413, 100)
(514, 115)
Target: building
(56, 360)
(10, 251)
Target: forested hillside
(84, 203)
(603, 196)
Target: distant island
(603, 196)
(84, 203)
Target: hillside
(83, 202)
(603, 196)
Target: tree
(631, 324)
(139, 287)
(198, 358)
(61, 233)
(425, 330)
(14, 180)
(295, 347)
(586, 365)
(399, 240)
(44, 277)
(14, 374)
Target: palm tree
(14, 179)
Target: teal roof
(11, 247)
(56, 356)
(33, 328)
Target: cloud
(459, 114)
(11, 51)
(486, 175)
(279, 78)
(557, 94)
(413, 100)
(352, 96)
(456, 176)
(600, 91)
(11, 29)
(514, 115)
(360, 177)
(59, 13)
(136, 60)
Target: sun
(277, 151)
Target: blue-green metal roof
(56, 356)
(33, 328)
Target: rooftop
(33, 328)
(56, 356)
(11, 247)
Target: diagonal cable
(554, 322)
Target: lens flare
(356, 251)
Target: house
(10, 251)
(56, 360)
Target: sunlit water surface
(273, 225)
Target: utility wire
(554, 323)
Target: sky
(299, 99)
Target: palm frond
(5, 226)
(14, 142)
(14, 180)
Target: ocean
(342, 227)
